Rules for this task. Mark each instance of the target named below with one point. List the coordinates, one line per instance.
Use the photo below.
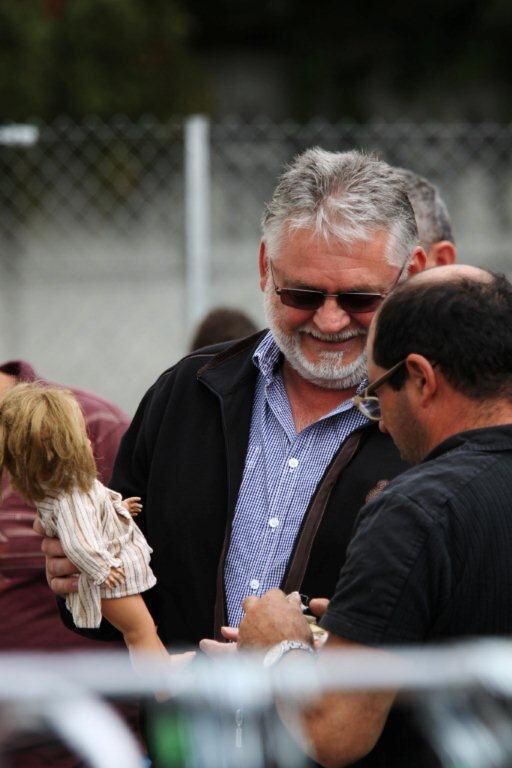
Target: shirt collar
(267, 357)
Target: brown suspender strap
(315, 513)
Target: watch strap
(277, 651)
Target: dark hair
(222, 324)
(463, 325)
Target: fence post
(197, 215)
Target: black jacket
(184, 454)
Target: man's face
(325, 346)
(399, 414)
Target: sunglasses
(352, 302)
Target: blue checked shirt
(282, 470)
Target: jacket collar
(232, 367)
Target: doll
(45, 449)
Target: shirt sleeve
(397, 577)
(81, 538)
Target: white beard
(329, 372)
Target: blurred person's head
(434, 224)
(338, 223)
(447, 335)
(222, 324)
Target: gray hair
(345, 195)
(432, 216)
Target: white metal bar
(197, 216)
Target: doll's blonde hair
(43, 441)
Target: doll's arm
(82, 541)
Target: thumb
(318, 606)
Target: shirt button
(254, 584)
(292, 463)
(273, 522)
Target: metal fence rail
(221, 714)
(114, 238)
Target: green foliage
(104, 57)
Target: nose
(330, 317)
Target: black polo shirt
(431, 561)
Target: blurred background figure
(30, 620)
(222, 324)
(432, 218)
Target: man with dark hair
(432, 217)
(430, 559)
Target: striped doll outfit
(97, 533)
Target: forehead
(308, 258)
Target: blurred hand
(133, 505)
(215, 648)
(61, 573)
(272, 618)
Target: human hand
(61, 573)
(114, 578)
(272, 618)
(215, 648)
(133, 505)
(318, 606)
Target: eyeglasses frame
(359, 400)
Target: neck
(308, 401)
(465, 414)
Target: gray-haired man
(432, 218)
(250, 458)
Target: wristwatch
(277, 652)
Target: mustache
(333, 337)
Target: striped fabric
(282, 471)
(97, 533)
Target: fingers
(52, 547)
(133, 505)
(318, 606)
(214, 649)
(63, 587)
(115, 577)
(230, 633)
(249, 603)
(38, 526)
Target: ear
(422, 378)
(263, 265)
(441, 253)
(418, 261)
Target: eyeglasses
(368, 403)
(352, 302)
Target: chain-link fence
(94, 240)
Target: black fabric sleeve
(397, 577)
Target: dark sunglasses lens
(301, 299)
(359, 302)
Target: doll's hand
(133, 505)
(115, 577)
